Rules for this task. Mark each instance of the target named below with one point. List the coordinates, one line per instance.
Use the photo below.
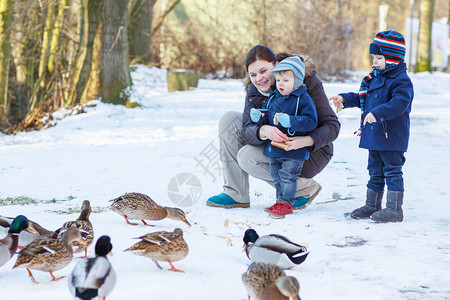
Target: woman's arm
(254, 134)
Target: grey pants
(240, 160)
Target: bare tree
(5, 56)
(116, 73)
(140, 29)
(423, 62)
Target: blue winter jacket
(389, 98)
(302, 114)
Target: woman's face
(261, 75)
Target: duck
(48, 254)
(139, 206)
(28, 235)
(9, 244)
(84, 225)
(94, 277)
(265, 281)
(163, 246)
(273, 248)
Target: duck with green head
(28, 235)
(8, 245)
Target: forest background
(60, 53)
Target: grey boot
(393, 211)
(373, 204)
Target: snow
(111, 150)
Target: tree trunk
(93, 88)
(6, 10)
(140, 30)
(423, 62)
(55, 39)
(89, 24)
(116, 72)
(45, 48)
(18, 108)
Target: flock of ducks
(50, 251)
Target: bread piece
(280, 145)
(275, 120)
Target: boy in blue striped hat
(385, 99)
(292, 110)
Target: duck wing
(158, 238)
(278, 243)
(90, 273)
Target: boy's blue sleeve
(306, 119)
(350, 99)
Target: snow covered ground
(111, 150)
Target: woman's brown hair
(260, 52)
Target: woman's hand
(272, 133)
(299, 142)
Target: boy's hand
(338, 101)
(369, 119)
(283, 118)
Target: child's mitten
(256, 114)
(284, 120)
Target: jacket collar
(253, 91)
(297, 93)
(401, 67)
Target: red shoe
(281, 209)
(270, 208)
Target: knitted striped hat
(296, 65)
(390, 44)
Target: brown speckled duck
(162, 245)
(47, 254)
(139, 206)
(269, 282)
(84, 225)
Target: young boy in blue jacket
(292, 110)
(385, 99)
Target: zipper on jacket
(384, 128)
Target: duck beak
(31, 229)
(186, 222)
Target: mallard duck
(28, 235)
(84, 225)
(162, 245)
(138, 206)
(273, 248)
(94, 277)
(269, 282)
(8, 245)
(48, 254)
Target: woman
(242, 144)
